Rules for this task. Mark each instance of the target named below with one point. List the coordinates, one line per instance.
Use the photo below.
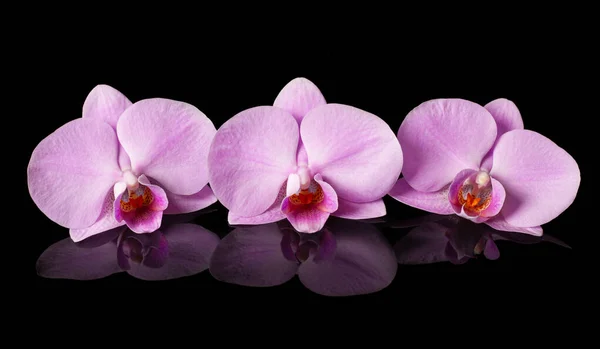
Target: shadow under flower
(174, 251)
(345, 258)
(437, 238)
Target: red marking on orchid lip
(313, 195)
(476, 197)
(134, 199)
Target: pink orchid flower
(122, 163)
(303, 159)
(479, 163)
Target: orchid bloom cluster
(301, 159)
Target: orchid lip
(475, 194)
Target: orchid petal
(179, 204)
(168, 141)
(66, 260)
(105, 103)
(541, 179)
(251, 157)
(252, 256)
(102, 238)
(305, 220)
(106, 221)
(508, 118)
(436, 202)
(190, 248)
(497, 202)
(355, 151)
(363, 210)
(364, 262)
(298, 97)
(506, 114)
(442, 137)
(271, 215)
(71, 170)
(499, 223)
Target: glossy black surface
(346, 258)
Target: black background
(385, 79)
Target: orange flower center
(476, 195)
(312, 195)
(134, 199)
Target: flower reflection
(175, 251)
(437, 238)
(345, 258)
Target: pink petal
(541, 179)
(442, 137)
(424, 244)
(168, 141)
(271, 215)
(105, 103)
(364, 262)
(330, 200)
(65, 260)
(298, 97)
(355, 151)
(144, 219)
(311, 218)
(252, 256)
(506, 114)
(72, 169)
(498, 198)
(190, 249)
(251, 157)
(507, 117)
(436, 202)
(364, 210)
(105, 222)
(102, 238)
(190, 203)
(305, 220)
(499, 223)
